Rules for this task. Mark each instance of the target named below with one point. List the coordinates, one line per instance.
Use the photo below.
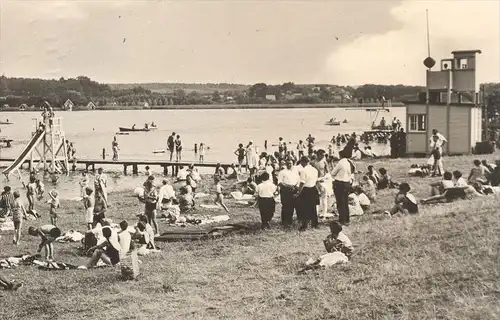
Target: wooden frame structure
(52, 149)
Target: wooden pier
(90, 164)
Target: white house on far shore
(270, 97)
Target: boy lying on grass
(405, 202)
(48, 233)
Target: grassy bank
(441, 264)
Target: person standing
(321, 165)
(437, 141)
(115, 148)
(178, 148)
(101, 184)
(288, 182)
(307, 195)
(150, 200)
(300, 148)
(265, 200)
(171, 145)
(342, 175)
(240, 153)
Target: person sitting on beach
(354, 205)
(182, 174)
(373, 175)
(489, 166)
(495, 175)
(6, 202)
(186, 200)
(166, 194)
(356, 153)
(48, 233)
(338, 241)
(249, 187)
(194, 174)
(405, 202)
(108, 251)
(478, 173)
(369, 188)
(439, 189)
(460, 182)
(385, 180)
(368, 152)
(219, 171)
(234, 172)
(363, 199)
(191, 185)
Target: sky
(338, 42)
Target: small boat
(333, 122)
(377, 109)
(345, 121)
(159, 151)
(123, 133)
(6, 122)
(382, 128)
(122, 129)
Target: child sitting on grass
(149, 231)
(337, 240)
(48, 233)
(405, 202)
(373, 175)
(385, 180)
(364, 201)
(439, 189)
(108, 251)
(54, 205)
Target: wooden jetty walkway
(90, 164)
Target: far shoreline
(353, 106)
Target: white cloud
(396, 56)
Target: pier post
(103, 153)
(226, 168)
(265, 144)
(93, 167)
(135, 170)
(165, 170)
(195, 148)
(125, 169)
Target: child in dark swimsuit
(240, 153)
(108, 251)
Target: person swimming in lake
(201, 152)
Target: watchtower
(451, 106)
(51, 150)
(456, 81)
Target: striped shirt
(7, 200)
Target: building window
(417, 122)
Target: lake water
(220, 130)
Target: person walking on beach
(219, 198)
(171, 145)
(342, 175)
(240, 153)
(178, 148)
(18, 213)
(150, 200)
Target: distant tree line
(82, 90)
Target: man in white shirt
(342, 175)
(265, 199)
(166, 194)
(356, 155)
(307, 196)
(288, 181)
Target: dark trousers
(341, 191)
(287, 205)
(266, 208)
(306, 207)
